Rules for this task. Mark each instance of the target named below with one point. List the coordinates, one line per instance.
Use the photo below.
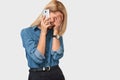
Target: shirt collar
(35, 27)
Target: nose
(51, 19)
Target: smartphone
(46, 13)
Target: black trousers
(54, 74)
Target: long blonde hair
(53, 6)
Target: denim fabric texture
(30, 38)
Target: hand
(57, 23)
(45, 23)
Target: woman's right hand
(45, 23)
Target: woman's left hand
(57, 23)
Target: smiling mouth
(51, 26)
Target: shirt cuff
(39, 55)
(59, 51)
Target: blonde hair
(54, 6)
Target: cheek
(52, 20)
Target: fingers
(58, 21)
(45, 22)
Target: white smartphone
(46, 13)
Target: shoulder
(26, 30)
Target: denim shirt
(30, 38)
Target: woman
(43, 43)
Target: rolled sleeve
(31, 47)
(58, 53)
(39, 55)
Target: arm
(35, 51)
(57, 44)
(57, 48)
(31, 47)
(42, 41)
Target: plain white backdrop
(92, 38)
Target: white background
(92, 38)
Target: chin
(51, 27)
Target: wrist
(56, 37)
(56, 32)
(43, 32)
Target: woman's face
(56, 18)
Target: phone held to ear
(46, 13)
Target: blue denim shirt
(30, 38)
